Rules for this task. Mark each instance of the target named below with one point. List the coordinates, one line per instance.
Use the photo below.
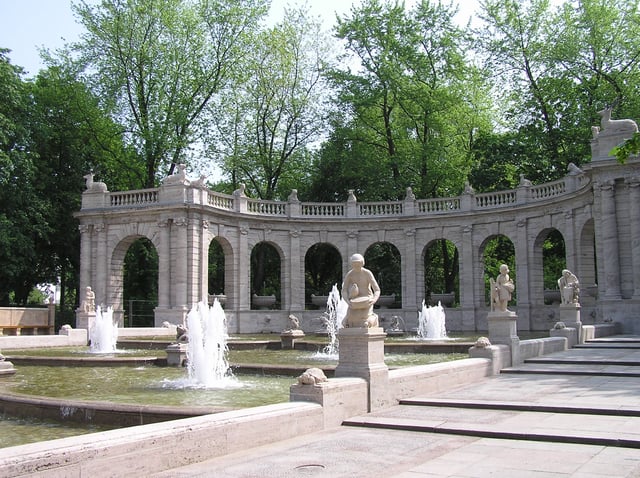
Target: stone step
(521, 406)
(560, 360)
(562, 369)
(578, 428)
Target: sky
(28, 25)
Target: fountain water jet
(207, 348)
(334, 314)
(104, 332)
(431, 322)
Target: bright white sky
(27, 25)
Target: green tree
(71, 135)
(413, 101)
(160, 63)
(278, 110)
(24, 228)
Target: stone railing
(525, 193)
(141, 197)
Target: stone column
(361, 355)
(410, 296)
(203, 262)
(164, 264)
(523, 272)
(85, 256)
(611, 255)
(179, 255)
(467, 282)
(243, 276)
(101, 270)
(295, 265)
(634, 214)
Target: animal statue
(94, 186)
(312, 376)
(615, 126)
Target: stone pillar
(101, 270)
(361, 355)
(243, 276)
(467, 280)
(410, 296)
(85, 256)
(570, 316)
(203, 263)
(503, 329)
(295, 264)
(164, 264)
(179, 255)
(611, 255)
(523, 272)
(634, 214)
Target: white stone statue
(360, 291)
(89, 303)
(569, 287)
(615, 126)
(501, 290)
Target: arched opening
(441, 280)
(550, 247)
(266, 289)
(588, 267)
(384, 261)
(216, 272)
(140, 283)
(322, 269)
(497, 250)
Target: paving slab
(524, 424)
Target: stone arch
(587, 267)
(548, 258)
(266, 274)
(385, 261)
(494, 250)
(220, 276)
(115, 292)
(322, 269)
(441, 279)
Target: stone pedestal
(288, 338)
(361, 355)
(503, 329)
(570, 333)
(6, 368)
(85, 320)
(176, 355)
(570, 316)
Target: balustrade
(140, 197)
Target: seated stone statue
(360, 291)
(569, 287)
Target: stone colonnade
(596, 209)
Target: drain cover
(309, 469)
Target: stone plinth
(84, 320)
(288, 338)
(361, 355)
(6, 368)
(570, 333)
(503, 329)
(570, 316)
(176, 355)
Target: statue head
(504, 269)
(357, 259)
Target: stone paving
(568, 414)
